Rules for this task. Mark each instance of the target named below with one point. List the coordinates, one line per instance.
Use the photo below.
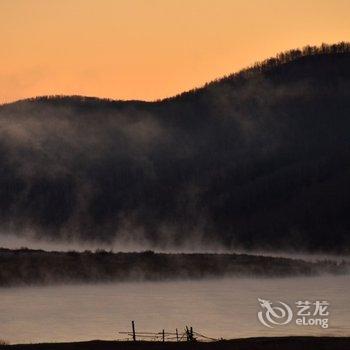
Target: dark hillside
(258, 160)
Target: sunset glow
(150, 49)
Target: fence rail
(188, 335)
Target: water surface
(224, 308)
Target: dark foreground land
(27, 267)
(282, 343)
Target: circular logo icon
(274, 315)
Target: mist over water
(11, 241)
(257, 160)
(253, 163)
(217, 308)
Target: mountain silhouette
(256, 160)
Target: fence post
(177, 335)
(163, 335)
(133, 331)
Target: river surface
(222, 308)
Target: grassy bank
(276, 343)
(38, 267)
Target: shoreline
(259, 343)
(25, 267)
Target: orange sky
(149, 49)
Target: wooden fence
(188, 334)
